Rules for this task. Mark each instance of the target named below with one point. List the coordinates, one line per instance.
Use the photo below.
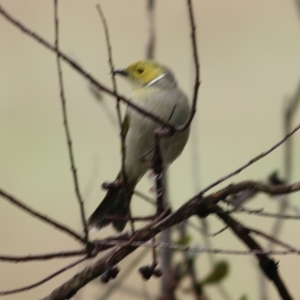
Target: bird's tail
(115, 203)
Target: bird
(155, 90)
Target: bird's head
(146, 73)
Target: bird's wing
(125, 125)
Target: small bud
(146, 272)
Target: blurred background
(250, 67)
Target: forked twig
(66, 125)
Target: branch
(274, 240)
(40, 282)
(267, 265)
(202, 249)
(250, 162)
(66, 125)
(41, 217)
(197, 68)
(150, 42)
(289, 115)
(73, 285)
(261, 213)
(46, 256)
(80, 70)
(118, 108)
(201, 206)
(297, 2)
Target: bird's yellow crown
(143, 72)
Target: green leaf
(244, 297)
(219, 273)
(184, 240)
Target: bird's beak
(120, 72)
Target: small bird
(154, 90)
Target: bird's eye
(140, 70)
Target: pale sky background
(250, 64)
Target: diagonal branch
(73, 285)
(268, 266)
(250, 162)
(40, 282)
(80, 70)
(40, 216)
(195, 206)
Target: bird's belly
(140, 146)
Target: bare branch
(261, 213)
(204, 249)
(66, 125)
(250, 162)
(41, 217)
(268, 266)
(80, 70)
(297, 2)
(197, 68)
(40, 282)
(43, 257)
(274, 240)
(288, 118)
(196, 206)
(150, 43)
(118, 109)
(70, 288)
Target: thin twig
(288, 118)
(119, 116)
(80, 70)
(41, 217)
(40, 282)
(204, 231)
(190, 263)
(297, 2)
(150, 42)
(261, 213)
(144, 197)
(197, 67)
(201, 205)
(250, 162)
(289, 114)
(203, 249)
(66, 126)
(117, 218)
(160, 178)
(274, 240)
(46, 256)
